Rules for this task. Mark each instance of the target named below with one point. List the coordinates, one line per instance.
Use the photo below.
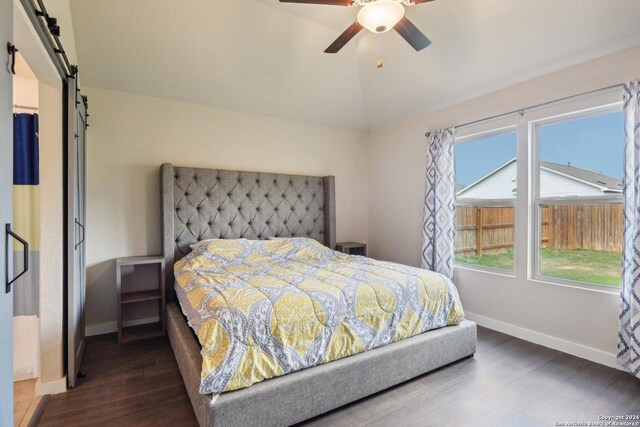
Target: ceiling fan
(377, 16)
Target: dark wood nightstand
(352, 248)
(142, 293)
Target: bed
(202, 204)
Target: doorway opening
(38, 348)
(26, 222)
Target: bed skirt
(305, 394)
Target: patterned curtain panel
(629, 333)
(438, 228)
(26, 211)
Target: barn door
(76, 268)
(6, 216)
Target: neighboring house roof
(493, 172)
(605, 183)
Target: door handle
(25, 266)
(82, 227)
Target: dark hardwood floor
(509, 382)
(136, 383)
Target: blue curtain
(26, 212)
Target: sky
(595, 143)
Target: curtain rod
(521, 111)
(24, 107)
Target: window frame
(509, 126)
(536, 202)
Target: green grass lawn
(601, 267)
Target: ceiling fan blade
(412, 34)
(344, 38)
(421, 1)
(327, 2)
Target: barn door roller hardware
(85, 101)
(49, 32)
(54, 31)
(52, 23)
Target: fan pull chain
(380, 62)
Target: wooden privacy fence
(490, 229)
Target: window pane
(484, 236)
(486, 172)
(582, 242)
(582, 158)
(486, 167)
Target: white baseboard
(109, 327)
(51, 387)
(22, 377)
(100, 329)
(579, 350)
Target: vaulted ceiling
(266, 57)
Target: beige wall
(380, 185)
(25, 92)
(130, 136)
(51, 235)
(582, 321)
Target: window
(485, 196)
(577, 197)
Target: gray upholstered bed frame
(209, 203)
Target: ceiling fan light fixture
(381, 16)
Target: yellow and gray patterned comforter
(266, 308)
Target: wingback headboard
(199, 204)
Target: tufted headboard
(199, 204)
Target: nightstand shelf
(352, 248)
(133, 331)
(130, 297)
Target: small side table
(352, 248)
(150, 293)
